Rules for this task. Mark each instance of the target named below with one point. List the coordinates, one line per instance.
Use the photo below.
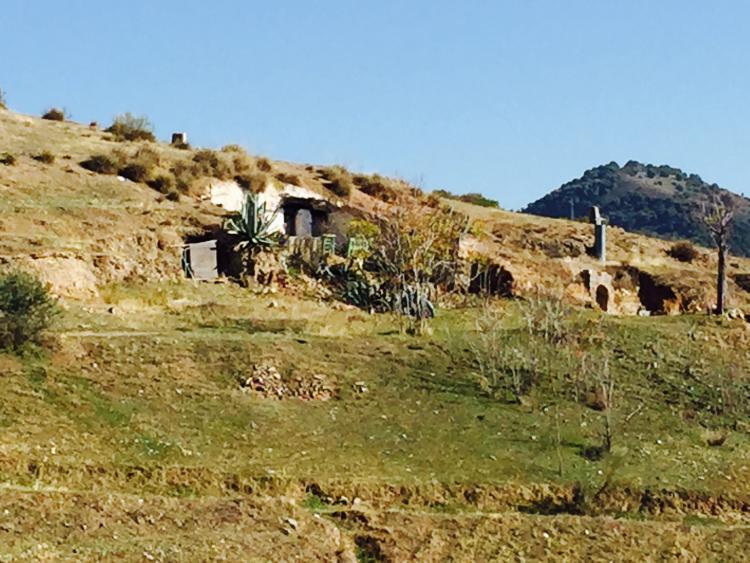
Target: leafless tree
(500, 355)
(717, 217)
(606, 384)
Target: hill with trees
(660, 201)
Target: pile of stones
(266, 381)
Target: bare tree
(500, 355)
(718, 219)
(606, 390)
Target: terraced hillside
(137, 436)
(170, 420)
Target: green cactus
(253, 225)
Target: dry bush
(256, 181)
(501, 356)
(286, 178)
(683, 251)
(338, 179)
(211, 164)
(232, 164)
(45, 157)
(101, 164)
(376, 186)
(163, 183)
(54, 114)
(129, 127)
(3, 103)
(232, 148)
(135, 172)
(140, 166)
(7, 159)
(263, 164)
(242, 163)
(184, 175)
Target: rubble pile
(266, 381)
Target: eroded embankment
(544, 498)
(279, 519)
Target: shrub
(683, 251)
(212, 164)
(376, 186)
(184, 175)
(163, 183)
(473, 198)
(339, 180)
(7, 159)
(54, 114)
(140, 166)
(232, 148)
(44, 157)
(129, 127)
(478, 199)
(242, 163)
(2, 100)
(255, 181)
(135, 172)
(263, 164)
(292, 179)
(101, 164)
(26, 310)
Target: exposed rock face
(65, 276)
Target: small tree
(129, 127)
(26, 310)
(416, 250)
(544, 316)
(718, 218)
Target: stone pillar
(600, 241)
(600, 234)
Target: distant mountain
(657, 200)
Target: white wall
(230, 195)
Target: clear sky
(509, 98)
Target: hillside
(656, 200)
(81, 231)
(166, 419)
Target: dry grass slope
(131, 436)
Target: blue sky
(509, 98)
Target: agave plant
(253, 225)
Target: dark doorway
(490, 279)
(302, 218)
(602, 298)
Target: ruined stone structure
(601, 291)
(179, 139)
